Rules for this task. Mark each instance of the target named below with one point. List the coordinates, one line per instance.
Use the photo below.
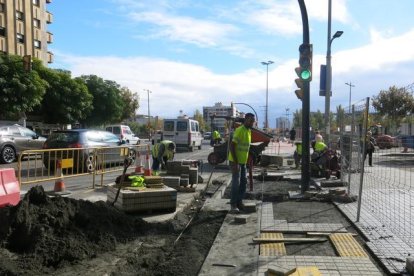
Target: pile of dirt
(43, 232)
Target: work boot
(234, 209)
(240, 206)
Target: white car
(124, 133)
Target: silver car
(14, 139)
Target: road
(82, 185)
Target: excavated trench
(44, 235)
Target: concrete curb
(220, 192)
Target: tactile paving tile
(279, 226)
(347, 246)
(272, 248)
(327, 265)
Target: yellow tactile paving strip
(347, 246)
(273, 248)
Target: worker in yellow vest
(161, 153)
(297, 155)
(238, 155)
(216, 137)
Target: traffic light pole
(305, 172)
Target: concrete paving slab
(327, 265)
(243, 252)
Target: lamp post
(350, 94)
(329, 71)
(267, 63)
(149, 115)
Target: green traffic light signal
(305, 75)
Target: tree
(297, 118)
(317, 120)
(394, 103)
(66, 100)
(199, 117)
(340, 116)
(107, 100)
(20, 91)
(130, 102)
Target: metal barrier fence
(36, 166)
(378, 170)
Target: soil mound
(52, 232)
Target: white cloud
(203, 33)
(177, 85)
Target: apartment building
(23, 28)
(219, 110)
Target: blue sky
(195, 53)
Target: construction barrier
(37, 166)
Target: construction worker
(161, 153)
(216, 137)
(297, 155)
(239, 152)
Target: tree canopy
(20, 91)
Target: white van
(184, 132)
(124, 133)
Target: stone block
(410, 265)
(241, 219)
(249, 207)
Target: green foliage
(20, 91)
(130, 102)
(297, 118)
(107, 100)
(317, 120)
(66, 100)
(198, 116)
(394, 103)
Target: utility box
(9, 188)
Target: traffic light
(305, 62)
(27, 63)
(299, 83)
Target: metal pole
(305, 172)
(362, 163)
(149, 117)
(350, 94)
(267, 95)
(328, 75)
(351, 150)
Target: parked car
(14, 139)
(207, 135)
(84, 139)
(124, 133)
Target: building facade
(219, 110)
(282, 123)
(23, 28)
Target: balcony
(49, 37)
(49, 17)
(49, 57)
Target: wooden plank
(325, 234)
(259, 240)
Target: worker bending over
(216, 137)
(161, 153)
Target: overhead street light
(350, 94)
(267, 63)
(329, 72)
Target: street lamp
(149, 115)
(329, 71)
(350, 93)
(267, 91)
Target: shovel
(127, 163)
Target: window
(20, 38)
(109, 138)
(2, 7)
(193, 126)
(116, 130)
(27, 132)
(19, 15)
(169, 126)
(37, 44)
(182, 126)
(15, 131)
(35, 2)
(94, 136)
(2, 31)
(36, 23)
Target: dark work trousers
(369, 152)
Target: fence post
(362, 163)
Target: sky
(191, 54)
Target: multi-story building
(282, 123)
(219, 110)
(23, 28)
